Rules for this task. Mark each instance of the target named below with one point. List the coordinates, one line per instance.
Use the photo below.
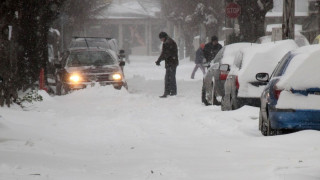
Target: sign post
(233, 11)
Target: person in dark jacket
(211, 49)
(199, 61)
(170, 55)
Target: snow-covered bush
(32, 96)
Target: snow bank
(303, 70)
(100, 133)
(261, 58)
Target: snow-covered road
(100, 133)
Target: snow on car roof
(303, 70)
(263, 58)
(231, 51)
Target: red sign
(233, 10)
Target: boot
(163, 96)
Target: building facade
(134, 23)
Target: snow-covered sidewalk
(100, 133)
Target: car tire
(226, 103)
(266, 129)
(118, 87)
(234, 103)
(64, 89)
(203, 97)
(214, 97)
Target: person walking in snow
(211, 49)
(199, 61)
(169, 54)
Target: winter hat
(214, 38)
(163, 35)
(202, 45)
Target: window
(238, 60)
(280, 69)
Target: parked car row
(279, 77)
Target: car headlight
(75, 78)
(116, 76)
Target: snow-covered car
(291, 100)
(83, 67)
(241, 86)
(214, 79)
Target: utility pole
(288, 19)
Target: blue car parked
(299, 108)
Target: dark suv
(81, 67)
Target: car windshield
(219, 56)
(89, 43)
(90, 58)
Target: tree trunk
(252, 19)
(288, 19)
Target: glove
(158, 63)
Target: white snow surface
(300, 39)
(262, 58)
(302, 73)
(289, 100)
(303, 70)
(232, 50)
(100, 133)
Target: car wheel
(226, 103)
(234, 103)
(266, 129)
(203, 96)
(64, 89)
(118, 87)
(214, 100)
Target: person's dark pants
(170, 81)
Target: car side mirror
(263, 77)
(224, 67)
(122, 63)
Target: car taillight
(237, 82)
(223, 75)
(276, 91)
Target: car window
(90, 58)
(89, 43)
(238, 60)
(219, 56)
(279, 70)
